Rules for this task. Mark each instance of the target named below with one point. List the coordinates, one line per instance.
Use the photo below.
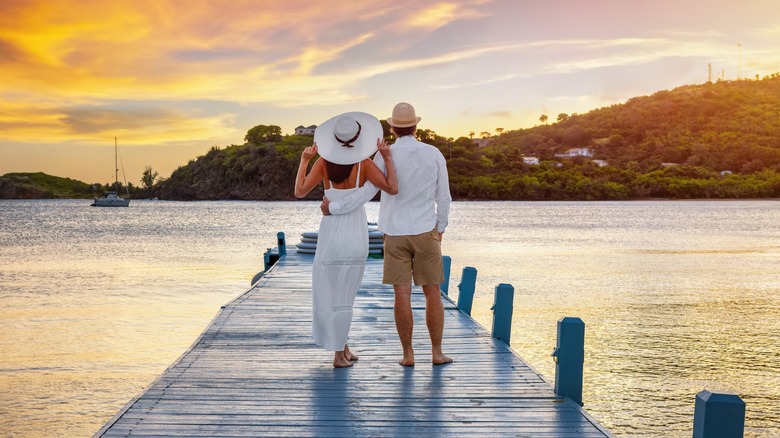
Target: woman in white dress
(345, 143)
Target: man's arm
(351, 202)
(443, 197)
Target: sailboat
(112, 199)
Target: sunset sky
(172, 78)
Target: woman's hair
(401, 132)
(337, 173)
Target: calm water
(676, 297)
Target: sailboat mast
(116, 169)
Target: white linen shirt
(423, 199)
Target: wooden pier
(256, 372)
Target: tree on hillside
(543, 118)
(562, 117)
(261, 134)
(499, 130)
(425, 135)
(148, 178)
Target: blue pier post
(503, 306)
(281, 243)
(718, 416)
(569, 356)
(446, 263)
(468, 281)
(270, 257)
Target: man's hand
(325, 206)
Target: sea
(676, 296)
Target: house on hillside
(576, 152)
(481, 142)
(301, 130)
(600, 163)
(531, 161)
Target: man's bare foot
(340, 361)
(348, 355)
(441, 360)
(407, 362)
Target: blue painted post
(718, 416)
(281, 243)
(468, 282)
(502, 312)
(267, 259)
(446, 263)
(569, 356)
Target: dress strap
(357, 180)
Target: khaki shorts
(417, 257)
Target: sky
(169, 79)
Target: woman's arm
(305, 183)
(387, 183)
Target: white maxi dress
(339, 263)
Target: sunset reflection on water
(676, 297)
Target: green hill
(714, 140)
(731, 126)
(41, 186)
(244, 172)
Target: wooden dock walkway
(256, 372)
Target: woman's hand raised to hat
(383, 147)
(309, 152)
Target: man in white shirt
(413, 222)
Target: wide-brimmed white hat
(348, 138)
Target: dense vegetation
(41, 186)
(713, 140)
(716, 140)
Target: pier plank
(256, 372)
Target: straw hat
(348, 138)
(403, 116)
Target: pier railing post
(281, 243)
(503, 306)
(569, 356)
(468, 281)
(718, 415)
(446, 263)
(270, 257)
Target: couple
(413, 214)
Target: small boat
(112, 199)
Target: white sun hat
(348, 138)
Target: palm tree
(543, 118)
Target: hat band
(348, 143)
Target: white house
(576, 152)
(531, 161)
(301, 130)
(601, 163)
